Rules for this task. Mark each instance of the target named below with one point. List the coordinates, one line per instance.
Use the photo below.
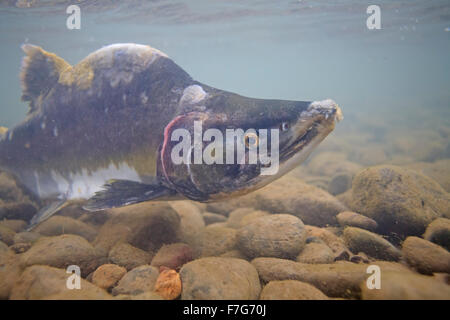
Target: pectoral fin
(119, 193)
(46, 212)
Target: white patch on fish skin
(43, 125)
(55, 131)
(84, 184)
(144, 98)
(38, 183)
(10, 134)
(192, 94)
(326, 107)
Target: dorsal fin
(40, 72)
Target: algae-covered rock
(7, 235)
(439, 232)
(279, 235)
(426, 256)
(10, 270)
(209, 218)
(360, 240)
(16, 225)
(401, 201)
(291, 290)
(217, 278)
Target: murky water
(392, 84)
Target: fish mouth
(313, 125)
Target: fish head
(237, 145)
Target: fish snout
(328, 108)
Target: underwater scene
(224, 150)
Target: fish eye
(251, 139)
(284, 126)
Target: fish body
(103, 130)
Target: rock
(63, 251)
(316, 253)
(7, 235)
(407, 286)
(235, 217)
(26, 237)
(125, 255)
(172, 256)
(218, 240)
(439, 232)
(345, 198)
(146, 226)
(248, 218)
(9, 191)
(361, 257)
(210, 217)
(291, 290)
(10, 270)
(58, 225)
(107, 275)
(191, 224)
(360, 240)
(204, 279)
(340, 183)
(17, 210)
(438, 171)
(425, 256)
(353, 219)
(280, 235)
(401, 201)
(340, 279)
(331, 240)
(168, 284)
(136, 281)
(14, 224)
(312, 205)
(39, 282)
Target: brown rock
(172, 256)
(58, 225)
(218, 240)
(210, 218)
(168, 284)
(107, 275)
(439, 232)
(426, 256)
(7, 235)
(291, 290)
(353, 219)
(401, 201)
(14, 224)
(138, 280)
(62, 251)
(125, 255)
(39, 282)
(204, 279)
(316, 253)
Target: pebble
(58, 225)
(353, 219)
(316, 253)
(438, 232)
(168, 284)
(209, 218)
(218, 240)
(173, 256)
